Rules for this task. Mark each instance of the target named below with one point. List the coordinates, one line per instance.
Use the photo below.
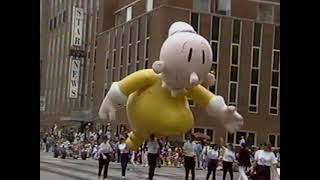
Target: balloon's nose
(194, 79)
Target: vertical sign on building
(77, 24)
(74, 77)
(42, 103)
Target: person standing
(198, 150)
(244, 161)
(227, 161)
(104, 152)
(189, 157)
(242, 141)
(153, 150)
(124, 156)
(264, 160)
(212, 155)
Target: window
(256, 57)
(137, 51)
(274, 139)
(64, 16)
(129, 53)
(274, 97)
(254, 76)
(233, 94)
(146, 49)
(235, 55)
(265, 12)
(149, 5)
(257, 34)
(276, 60)
(277, 38)
(275, 79)
(234, 73)
(138, 30)
(230, 138)
(114, 78)
(215, 28)
(146, 64)
(214, 47)
(121, 72)
(236, 31)
(121, 56)
(195, 21)
(201, 5)
(200, 130)
(55, 22)
(129, 14)
(137, 65)
(147, 27)
(224, 7)
(114, 57)
(50, 24)
(253, 95)
(207, 131)
(115, 39)
(275, 74)
(235, 138)
(130, 34)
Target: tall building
(68, 30)
(245, 40)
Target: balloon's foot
(134, 141)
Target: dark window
(114, 58)
(201, 130)
(55, 22)
(50, 24)
(107, 59)
(234, 74)
(121, 54)
(130, 34)
(129, 54)
(191, 102)
(253, 96)
(115, 40)
(138, 51)
(214, 69)
(277, 38)
(235, 54)
(146, 56)
(137, 66)
(230, 138)
(95, 55)
(255, 57)
(105, 92)
(253, 109)
(114, 75)
(214, 47)
(64, 16)
(148, 26)
(212, 88)
(236, 31)
(276, 60)
(274, 97)
(121, 72)
(187, 134)
(272, 140)
(254, 76)
(122, 38)
(238, 136)
(275, 79)
(139, 28)
(273, 111)
(215, 28)
(257, 34)
(210, 134)
(194, 21)
(233, 92)
(146, 64)
(278, 140)
(251, 139)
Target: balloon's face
(187, 59)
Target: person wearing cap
(124, 156)
(212, 155)
(189, 157)
(153, 153)
(104, 157)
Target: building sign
(42, 103)
(77, 25)
(74, 77)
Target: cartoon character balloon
(157, 98)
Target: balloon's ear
(158, 66)
(211, 79)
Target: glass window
(146, 64)
(201, 130)
(251, 139)
(195, 21)
(137, 51)
(233, 92)
(114, 78)
(55, 22)
(210, 134)
(214, 69)
(235, 54)
(129, 54)
(234, 74)
(275, 79)
(273, 111)
(187, 134)
(149, 5)
(253, 96)
(265, 12)
(224, 7)
(114, 58)
(236, 31)
(130, 34)
(253, 109)
(230, 138)
(238, 136)
(138, 29)
(274, 97)
(146, 56)
(201, 5)
(277, 38)
(272, 140)
(257, 34)
(214, 47)
(191, 102)
(254, 76)
(212, 89)
(276, 60)
(215, 28)
(147, 25)
(137, 66)
(255, 57)
(278, 140)
(121, 72)
(129, 14)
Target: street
(70, 169)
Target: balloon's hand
(231, 119)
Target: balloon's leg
(134, 140)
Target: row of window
(59, 19)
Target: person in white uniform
(227, 161)
(189, 157)
(153, 153)
(124, 156)
(212, 155)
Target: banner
(74, 77)
(77, 25)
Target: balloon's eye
(190, 55)
(203, 57)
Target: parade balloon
(157, 99)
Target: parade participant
(264, 160)
(124, 156)
(189, 157)
(204, 157)
(212, 154)
(153, 153)
(244, 161)
(157, 99)
(227, 161)
(104, 157)
(198, 150)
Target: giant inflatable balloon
(157, 98)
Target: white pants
(242, 173)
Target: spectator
(124, 156)
(212, 154)
(244, 161)
(227, 161)
(189, 157)
(153, 153)
(104, 152)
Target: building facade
(245, 40)
(68, 30)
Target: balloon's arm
(137, 80)
(205, 98)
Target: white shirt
(105, 148)
(123, 148)
(228, 155)
(189, 148)
(242, 141)
(153, 147)
(265, 158)
(212, 154)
